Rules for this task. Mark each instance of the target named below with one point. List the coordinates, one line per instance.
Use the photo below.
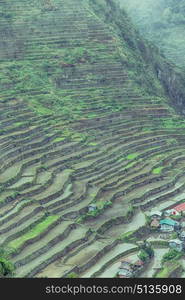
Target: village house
(125, 264)
(92, 207)
(182, 235)
(176, 244)
(125, 269)
(171, 212)
(180, 208)
(182, 224)
(129, 269)
(168, 225)
(124, 273)
(155, 224)
(138, 265)
(155, 215)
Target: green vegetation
(167, 269)
(42, 77)
(99, 127)
(6, 266)
(146, 251)
(143, 255)
(173, 123)
(157, 170)
(127, 236)
(131, 156)
(35, 231)
(72, 275)
(172, 254)
(92, 144)
(101, 206)
(59, 139)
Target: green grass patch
(39, 108)
(167, 270)
(126, 236)
(131, 156)
(59, 139)
(172, 254)
(93, 144)
(173, 123)
(157, 170)
(35, 231)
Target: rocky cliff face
(170, 76)
(174, 84)
(163, 23)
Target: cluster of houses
(130, 268)
(169, 221)
(135, 264)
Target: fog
(145, 12)
(162, 22)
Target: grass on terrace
(168, 269)
(132, 156)
(35, 231)
(157, 170)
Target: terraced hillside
(80, 124)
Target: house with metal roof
(180, 207)
(182, 235)
(168, 225)
(171, 212)
(155, 215)
(124, 273)
(92, 207)
(176, 244)
(154, 224)
(182, 224)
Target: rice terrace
(92, 140)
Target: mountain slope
(86, 117)
(162, 22)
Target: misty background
(162, 22)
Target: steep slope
(54, 59)
(163, 22)
(84, 118)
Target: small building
(125, 269)
(155, 215)
(92, 207)
(176, 244)
(139, 264)
(155, 224)
(125, 264)
(168, 225)
(182, 235)
(171, 212)
(182, 224)
(180, 208)
(124, 273)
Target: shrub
(143, 255)
(6, 266)
(72, 275)
(157, 170)
(172, 254)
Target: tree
(172, 254)
(6, 266)
(143, 255)
(72, 275)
